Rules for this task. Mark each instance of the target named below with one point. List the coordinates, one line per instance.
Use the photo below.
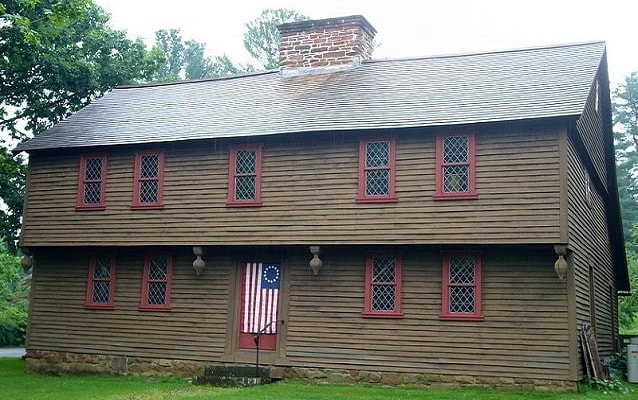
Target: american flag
(260, 293)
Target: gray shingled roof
(443, 90)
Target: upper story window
(377, 170)
(244, 175)
(156, 282)
(100, 286)
(92, 182)
(383, 286)
(461, 289)
(455, 167)
(149, 176)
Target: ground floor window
(383, 286)
(461, 288)
(156, 282)
(100, 288)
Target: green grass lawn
(15, 384)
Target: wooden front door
(260, 294)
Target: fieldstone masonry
(53, 362)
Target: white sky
(406, 28)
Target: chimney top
(325, 45)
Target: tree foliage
(14, 300)
(59, 55)
(262, 39)
(625, 104)
(12, 181)
(187, 60)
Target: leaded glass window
(376, 170)
(156, 282)
(148, 179)
(455, 159)
(383, 285)
(455, 164)
(91, 182)
(461, 285)
(462, 295)
(245, 175)
(149, 176)
(101, 282)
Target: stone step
(234, 375)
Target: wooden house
(448, 219)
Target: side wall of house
(309, 192)
(589, 237)
(524, 335)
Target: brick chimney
(326, 44)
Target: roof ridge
(190, 81)
(485, 52)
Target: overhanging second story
(453, 149)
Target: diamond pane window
(377, 183)
(244, 176)
(149, 168)
(149, 178)
(148, 191)
(245, 188)
(462, 299)
(376, 170)
(246, 162)
(156, 283)
(377, 154)
(383, 286)
(461, 286)
(455, 149)
(101, 282)
(91, 182)
(455, 159)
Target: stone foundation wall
(79, 363)
(54, 362)
(336, 376)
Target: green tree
(14, 300)
(57, 56)
(625, 106)
(187, 60)
(169, 44)
(12, 181)
(262, 39)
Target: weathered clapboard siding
(309, 191)
(59, 321)
(524, 334)
(590, 128)
(589, 239)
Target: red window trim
(439, 194)
(232, 164)
(361, 195)
(90, 285)
(82, 181)
(477, 315)
(137, 179)
(144, 305)
(368, 311)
